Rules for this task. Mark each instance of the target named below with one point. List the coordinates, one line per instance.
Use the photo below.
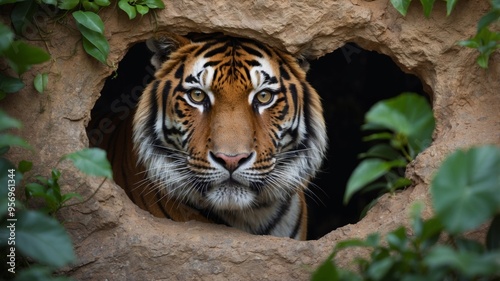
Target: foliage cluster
(403, 128)
(485, 41)
(464, 196)
(40, 241)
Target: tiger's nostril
(230, 162)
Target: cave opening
(349, 80)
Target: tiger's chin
(230, 196)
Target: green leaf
(383, 151)
(397, 239)
(50, 2)
(493, 236)
(94, 51)
(450, 4)
(466, 264)
(12, 140)
(154, 4)
(127, 8)
(94, 42)
(24, 166)
(408, 114)
(142, 9)
(91, 161)
(10, 85)
(41, 81)
(465, 188)
(427, 4)
(22, 15)
(90, 20)
(102, 3)
(90, 6)
(380, 268)
(22, 56)
(43, 239)
(487, 19)
(378, 136)
(69, 196)
(401, 6)
(67, 4)
(326, 271)
(367, 171)
(7, 122)
(399, 183)
(6, 37)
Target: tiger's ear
(303, 62)
(163, 45)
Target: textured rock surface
(117, 241)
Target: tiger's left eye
(264, 97)
(197, 96)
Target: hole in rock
(350, 80)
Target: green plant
(404, 127)
(465, 194)
(32, 237)
(134, 7)
(85, 13)
(485, 41)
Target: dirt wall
(115, 240)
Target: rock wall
(117, 241)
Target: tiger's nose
(230, 162)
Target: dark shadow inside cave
(350, 80)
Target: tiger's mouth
(230, 195)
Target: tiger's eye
(264, 97)
(197, 96)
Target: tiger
(229, 132)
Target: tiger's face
(228, 124)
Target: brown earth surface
(115, 240)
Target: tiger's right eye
(197, 96)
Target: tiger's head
(228, 124)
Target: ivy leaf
(94, 51)
(401, 6)
(465, 188)
(90, 20)
(21, 56)
(10, 85)
(102, 3)
(67, 4)
(44, 239)
(450, 4)
(127, 8)
(427, 4)
(24, 166)
(22, 15)
(142, 9)
(91, 161)
(487, 19)
(7, 122)
(6, 37)
(154, 4)
(92, 29)
(41, 81)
